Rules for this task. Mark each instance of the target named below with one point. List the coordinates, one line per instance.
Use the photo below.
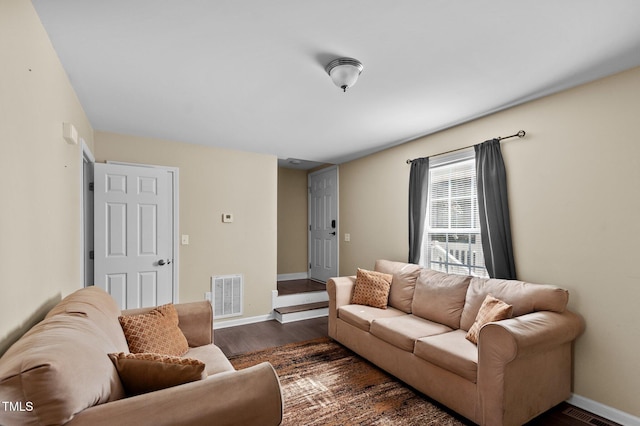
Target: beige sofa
(59, 373)
(520, 368)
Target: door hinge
(309, 227)
(91, 255)
(90, 186)
(309, 265)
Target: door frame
(86, 211)
(174, 173)
(309, 242)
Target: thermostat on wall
(227, 217)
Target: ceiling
(249, 74)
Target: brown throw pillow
(154, 332)
(148, 372)
(169, 311)
(492, 309)
(372, 289)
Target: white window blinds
(452, 240)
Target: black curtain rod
(520, 134)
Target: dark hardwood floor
(254, 337)
(299, 286)
(263, 335)
(267, 334)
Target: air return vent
(588, 418)
(227, 292)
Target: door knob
(163, 262)
(333, 233)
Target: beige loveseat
(59, 373)
(520, 367)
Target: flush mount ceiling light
(344, 72)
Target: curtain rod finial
(521, 133)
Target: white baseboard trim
(242, 321)
(603, 410)
(294, 276)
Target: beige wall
(40, 218)
(214, 181)
(573, 188)
(292, 221)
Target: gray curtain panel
(418, 191)
(495, 225)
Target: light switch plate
(185, 240)
(227, 217)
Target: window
(452, 240)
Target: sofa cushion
(148, 372)
(403, 331)
(451, 351)
(524, 297)
(154, 332)
(492, 309)
(371, 288)
(97, 305)
(213, 357)
(361, 316)
(61, 366)
(403, 283)
(440, 297)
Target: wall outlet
(347, 237)
(227, 217)
(207, 296)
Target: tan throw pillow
(492, 309)
(153, 332)
(371, 288)
(148, 372)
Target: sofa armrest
(340, 290)
(525, 357)
(250, 396)
(532, 332)
(196, 321)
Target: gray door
(323, 224)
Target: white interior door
(133, 258)
(323, 224)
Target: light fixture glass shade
(344, 72)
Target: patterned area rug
(324, 383)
